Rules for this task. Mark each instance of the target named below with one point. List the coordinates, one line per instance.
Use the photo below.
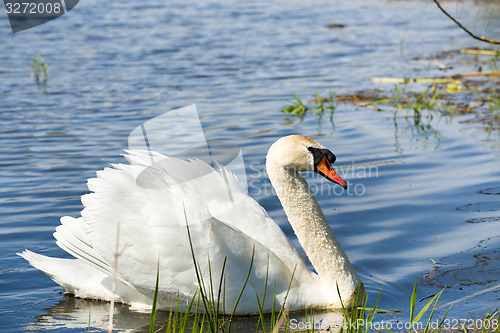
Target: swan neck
(314, 233)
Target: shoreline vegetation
(418, 98)
(206, 312)
(359, 316)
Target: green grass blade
(371, 312)
(290, 285)
(220, 284)
(169, 325)
(413, 301)
(298, 99)
(426, 306)
(199, 277)
(283, 315)
(331, 99)
(185, 318)
(344, 310)
(196, 315)
(176, 315)
(273, 314)
(442, 321)
(261, 314)
(242, 288)
(381, 101)
(155, 300)
(211, 290)
(432, 311)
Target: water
(415, 195)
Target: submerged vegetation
(468, 93)
(321, 104)
(39, 66)
(318, 107)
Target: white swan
(226, 225)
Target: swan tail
(64, 272)
(83, 280)
(72, 238)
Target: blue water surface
(415, 193)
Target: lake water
(416, 194)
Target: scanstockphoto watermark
(417, 326)
(353, 174)
(26, 14)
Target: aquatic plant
(297, 107)
(39, 66)
(357, 316)
(494, 103)
(486, 322)
(320, 105)
(427, 100)
(399, 96)
(322, 101)
(416, 318)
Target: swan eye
(319, 153)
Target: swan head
(297, 153)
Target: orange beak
(326, 170)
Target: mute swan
(224, 222)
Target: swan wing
(137, 217)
